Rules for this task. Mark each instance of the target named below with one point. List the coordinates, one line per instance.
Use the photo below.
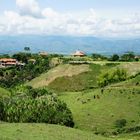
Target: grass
(18, 131)
(60, 71)
(131, 83)
(68, 77)
(80, 82)
(99, 115)
(131, 67)
(43, 132)
(93, 111)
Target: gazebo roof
(79, 53)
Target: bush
(43, 109)
(120, 123)
(113, 76)
(115, 57)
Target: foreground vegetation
(95, 95)
(44, 132)
(35, 106)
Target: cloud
(49, 12)
(32, 19)
(28, 7)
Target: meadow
(102, 113)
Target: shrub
(43, 109)
(120, 123)
(113, 76)
(115, 57)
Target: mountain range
(68, 44)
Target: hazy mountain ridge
(68, 44)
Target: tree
(130, 56)
(115, 57)
(27, 48)
(23, 57)
(96, 56)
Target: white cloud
(28, 7)
(31, 19)
(49, 12)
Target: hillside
(51, 132)
(59, 71)
(44, 132)
(131, 68)
(71, 77)
(95, 111)
(78, 77)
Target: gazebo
(79, 54)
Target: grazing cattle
(102, 90)
(98, 97)
(88, 99)
(84, 102)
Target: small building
(9, 62)
(32, 61)
(43, 53)
(137, 57)
(79, 54)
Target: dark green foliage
(98, 57)
(43, 109)
(130, 56)
(115, 57)
(113, 76)
(23, 57)
(120, 123)
(13, 76)
(112, 64)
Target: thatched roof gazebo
(79, 54)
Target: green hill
(95, 110)
(70, 77)
(98, 112)
(131, 67)
(60, 71)
(44, 132)
(51, 132)
(131, 83)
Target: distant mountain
(68, 44)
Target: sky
(103, 18)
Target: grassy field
(59, 71)
(44, 132)
(131, 67)
(131, 83)
(78, 77)
(78, 82)
(82, 81)
(100, 114)
(93, 111)
(51, 132)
